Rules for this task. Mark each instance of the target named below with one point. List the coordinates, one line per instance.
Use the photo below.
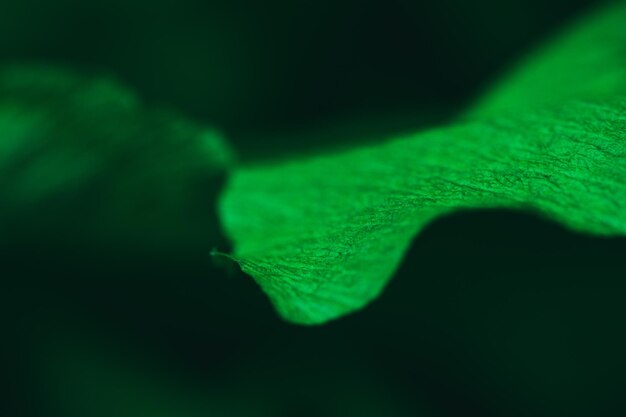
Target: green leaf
(587, 60)
(323, 235)
(82, 159)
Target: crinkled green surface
(82, 156)
(323, 235)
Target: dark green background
(491, 314)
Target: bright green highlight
(83, 155)
(323, 235)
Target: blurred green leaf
(587, 60)
(83, 160)
(322, 236)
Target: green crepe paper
(82, 159)
(323, 235)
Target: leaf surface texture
(323, 235)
